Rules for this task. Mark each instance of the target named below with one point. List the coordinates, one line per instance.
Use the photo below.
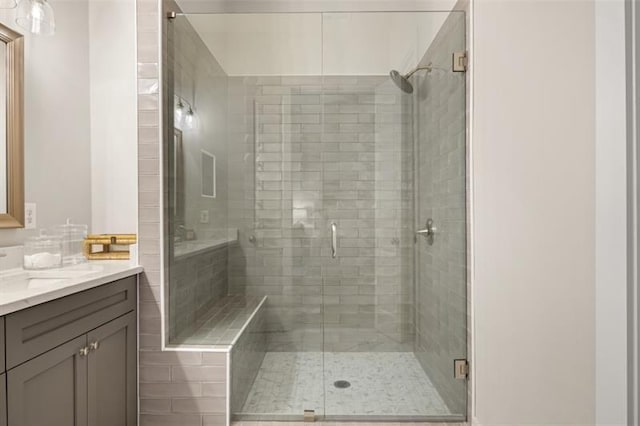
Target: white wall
(274, 44)
(287, 6)
(375, 43)
(80, 118)
(611, 221)
(534, 212)
(318, 43)
(114, 162)
(57, 136)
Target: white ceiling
(318, 43)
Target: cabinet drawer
(35, 330)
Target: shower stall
(316, 194)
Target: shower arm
(428, 67)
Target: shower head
(401, 81)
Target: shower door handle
(334, 240)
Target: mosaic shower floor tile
(383, 383)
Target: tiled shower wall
(394, 216)
(324, 149)
(442, 278)
(196, 76)
(176, 388)
(196, 283)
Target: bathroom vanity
(70, 360)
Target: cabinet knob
(94, 345)
(84, 351)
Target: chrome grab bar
(334, 240)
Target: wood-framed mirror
(11, 128)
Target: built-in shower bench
(223, 324)
(234, 325)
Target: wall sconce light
(184, 117)
(36, 16)
(178, 114)
(191, 120)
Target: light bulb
(191, 120)
(178, 116)
(36, 16)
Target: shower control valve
(429, 231)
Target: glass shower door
(440, 219)
(288, 230)
(326, 169)
(394, 301)
(368, 320)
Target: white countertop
(20, 289)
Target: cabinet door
(3, 400)
(111, 364)
(2, 364)
(51, 389)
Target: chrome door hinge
(460, 61)
(460, 368)
(171, 15)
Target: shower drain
(341, 384)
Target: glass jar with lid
(43, 252)
(72, 236)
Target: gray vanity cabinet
(112, 373)
(50, 390)
(72, 361)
